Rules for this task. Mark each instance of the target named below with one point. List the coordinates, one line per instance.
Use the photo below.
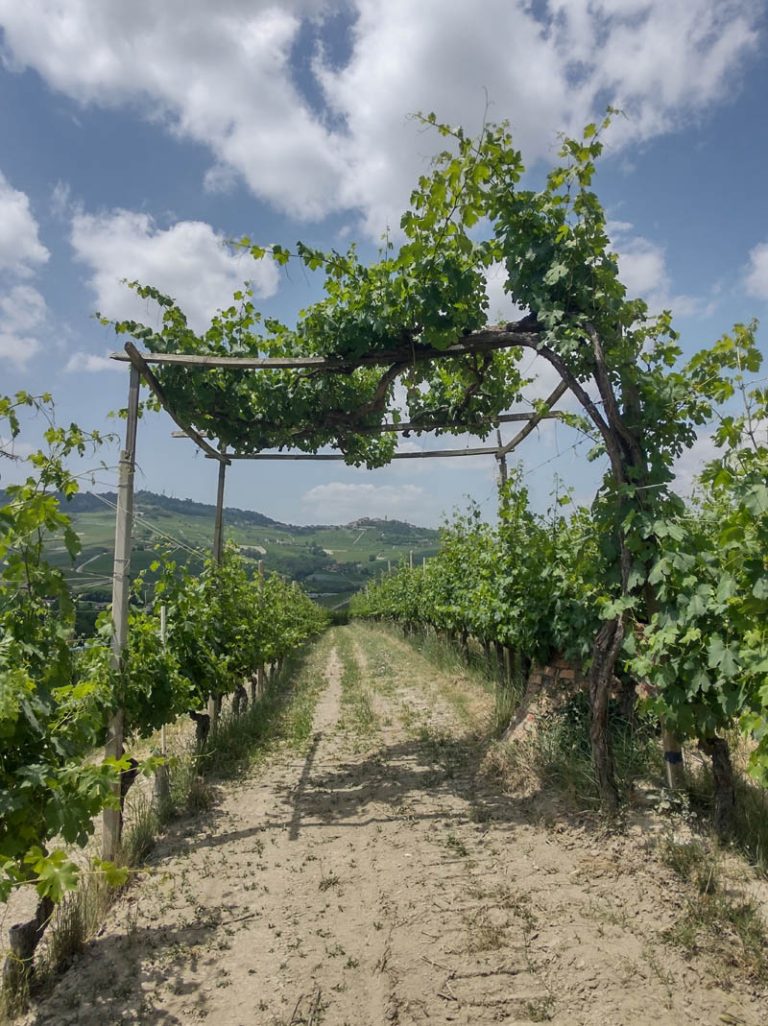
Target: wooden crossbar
(426, 453)
(487, 340)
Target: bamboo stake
(112, 818)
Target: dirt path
(379, 878)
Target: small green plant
(541, 1010)
(693, 862)
(456, 845)
(139, 838)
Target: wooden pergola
(482, 342)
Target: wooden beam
(137, 360)
(523, 433)
(416, 428)
(489, 339)
(112, 818)
(425, 454)
(218, 526)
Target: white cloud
(691, 463)
(642, 266)
(188, 261)
(61, 200)
(339, 502)
(22, 307)
(17, 349)
(501, 308)
(223, 76)
(23, 312)
(643, 269)
(757, 272)
(219, 75)
(20, 247)
(91, 363)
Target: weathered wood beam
(489, 339)
(425, 454)
(523, 433)
(137, 360)
(504, 418)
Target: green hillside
(332, 562)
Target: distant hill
(332, 562)
(90, 502)
(97, 502)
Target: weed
(541, 1010)
(692, 862)
(456, 845)
(139, 839)
(729, 930)
(328, 881)
(357, 711)
(558, 754)
(485, 935)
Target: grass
(283, 715)
(458, 668)
(357, 711)
(720, 923)
(750, 820)
(558, 756)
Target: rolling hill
(332, 562)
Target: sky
(137, 139)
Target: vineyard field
(331, 562)
(374, 871)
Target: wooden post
(260, 682)
(501, 456)
(410, 559)
(112, 818)
(214, 701)
(162, 781)
(218, 528)
(164, 643)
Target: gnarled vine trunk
(722, 773)
(23, 939)
(604, 654)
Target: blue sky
(136, 139)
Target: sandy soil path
(379, 879)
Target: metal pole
(113, 818)
(214, 702)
